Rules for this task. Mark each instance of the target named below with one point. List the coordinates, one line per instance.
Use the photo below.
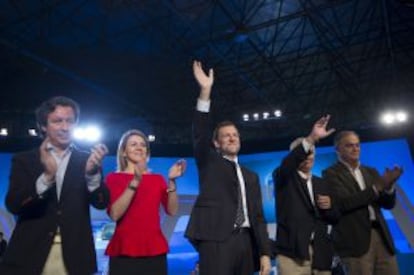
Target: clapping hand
(139, 170)
(177, 169)
(48, 161)
(390, 176)
(94, 161)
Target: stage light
(264, 115)
(4, 132)
(394, 117)
(32, 132)
(93, 134)
(151, 138)
(388, 118)
(278, 113)
(89, 134)
(401, 116)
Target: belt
(241, 230)
(375, 224)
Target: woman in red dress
(138, 245)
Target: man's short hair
(49, 106)
(221, 125)
(342, 134)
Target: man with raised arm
(304, 209)
(227, 226)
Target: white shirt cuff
(390, 191)
(42, 184)
(307, 146)
(203, 105)
(93, 181)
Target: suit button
(59, 212)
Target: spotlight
(79, 133)
(90, 134)
(151, 138)
(278, 113)
(246, 117)
(93, 134)
(401, 116)
(388, 118)
(4, 132)
(265, 115)
(256, 116)
(32, 132)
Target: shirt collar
(235, 160)
(349, 166)
(52, 148)
(304, 176)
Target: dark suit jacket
(353, 232)
(296, 216)
(214, 212)
(38, 217)
(3, 246)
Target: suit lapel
(248, 187)
(304, 192)
(366, 177)
(347, 176)
(72, 171)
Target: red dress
(138, 233)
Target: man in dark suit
(50, 191)
(227, 225)
(362, 236)
(304, 209)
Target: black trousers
(155, 265)
(231, 257)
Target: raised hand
(48, 161)
(177, 169)
(94, 161)
(319, 130)
(204, 81)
